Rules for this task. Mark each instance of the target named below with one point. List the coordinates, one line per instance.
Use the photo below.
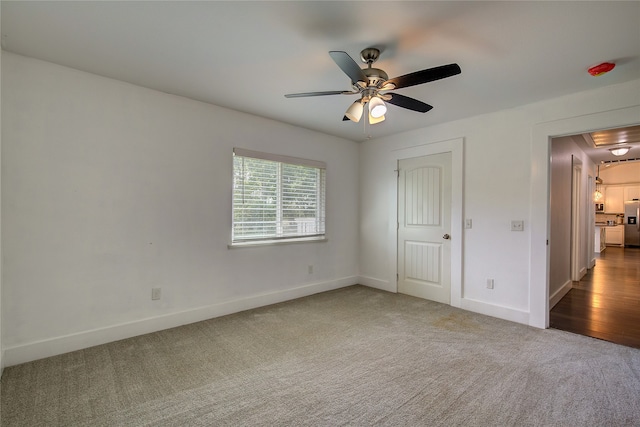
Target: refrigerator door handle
(637, 217)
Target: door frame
(541, 136)
(591, 253)
(456, 148)
(576, 208)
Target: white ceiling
(247, 55)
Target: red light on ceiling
(601, 69)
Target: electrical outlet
(517, 225)
(489, 283)
(310, 269)
(155, 293)
(467, 223)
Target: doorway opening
(600, 293)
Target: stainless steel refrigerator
(631, 224)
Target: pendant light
(597, 196)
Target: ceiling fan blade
(348, 66)
(425, 76)
(408, 103)
(330, 92)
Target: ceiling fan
(373, 85)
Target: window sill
(276, 242)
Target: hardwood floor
(605, 304)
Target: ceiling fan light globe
(377, 108)
(374, 120)
(378, 111)
(354, 112)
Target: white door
(424, 227)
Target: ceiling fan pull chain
(364, 121)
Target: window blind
(277, 197)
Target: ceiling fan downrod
(375, 76)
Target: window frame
(321, 189)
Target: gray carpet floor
(355, 356)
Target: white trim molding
(494, 310)
(64, 344)
(560, 293)
(383, 285)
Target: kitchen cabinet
(614, 235)
(632, 192)
(614, 199)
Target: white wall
(560, 216)
(110, 189)
(1, 342)
(505, 177)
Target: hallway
(605, 304)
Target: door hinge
(397, 277)
(397, 171)
(397, 225)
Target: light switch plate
(517, 225)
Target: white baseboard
(65, 344)
(583, 272)
(378, 284)
(493, 310)
(557, 295)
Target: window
(277, 198)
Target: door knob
(446, 237)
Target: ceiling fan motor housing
(376, 76)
